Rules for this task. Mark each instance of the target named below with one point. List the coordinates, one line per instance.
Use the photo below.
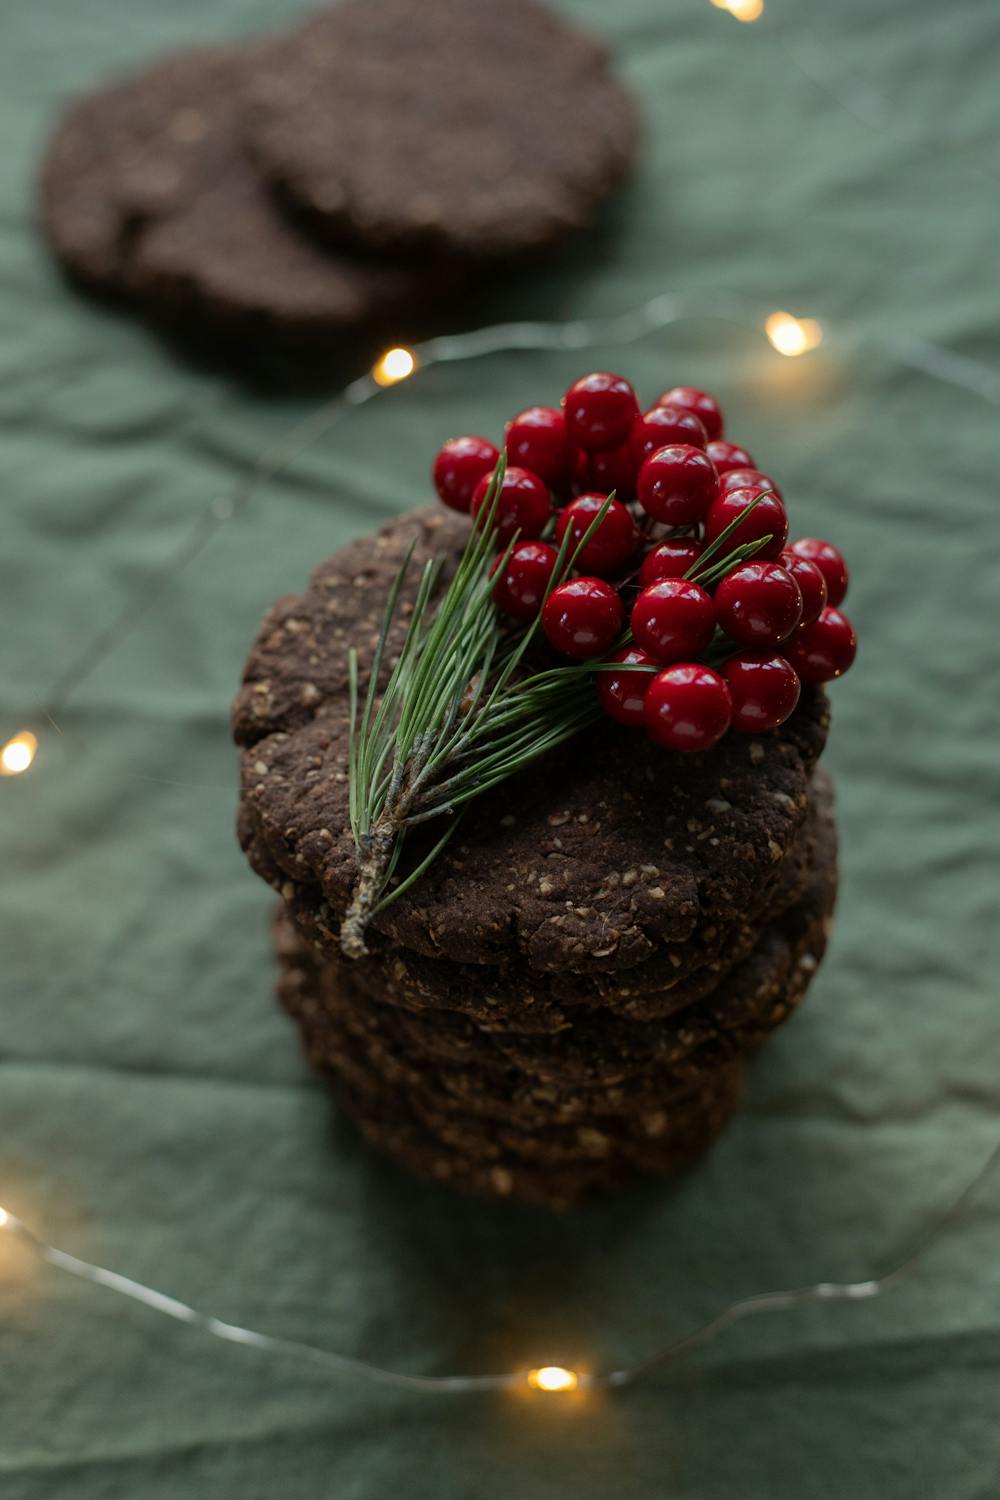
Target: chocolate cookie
(480, 129)
(600, 1067)
(530, 1128)
(595, 860)
(147, 193)
(549, 1152)
(509, 998)
(393, 1129)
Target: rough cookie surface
(601, 1065)
(602, 856)
(508, 997)
(551, 1120)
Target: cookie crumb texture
(148, 194)
(464, 126)
(603, 857)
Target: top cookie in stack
(341, 175)
(612, 864)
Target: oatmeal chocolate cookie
(510, 998)
(480, 129)
(600, 1067)
(488, 1126)
(596, 859)
(395, 1132)
(147, 193)
(592, 1046)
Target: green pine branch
(463, 709)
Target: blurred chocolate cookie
(476, 127)
(148, 193)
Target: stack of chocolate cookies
(344, 174)
(571, 992)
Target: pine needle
(462, 710)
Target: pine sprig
(462, 710)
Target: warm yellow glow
(18, 753)
(395, 365)
(743, 10)
(3, 1217)
(553, 1378)
(792, 336)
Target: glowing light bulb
(4, 1218)
(742, 10)
(792, 336)
(395, 365)
(553, 1378)
(18, 753)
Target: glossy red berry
(459, 466)
(523, 504)
(520, 586)
(615, 469)
(687, 707)
(767, 518)
(612, 544)
(622, 694)
(758, 604)
(764, 689)
(662, 426)
(825, 649)
(705, 407)
(673, 619)
(830, 561)
(671, 558)
(583, 617)
(811, 582)
(726, 456)
(600, 409)
(747, 479)
(537, 440)
(676, 485)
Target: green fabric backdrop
(154, 1113)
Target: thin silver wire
(361, 1369)
(817, 62)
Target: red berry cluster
(685, 500)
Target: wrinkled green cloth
(154, 1112)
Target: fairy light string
(547, 1379)
(791, 336)
(392, 368)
